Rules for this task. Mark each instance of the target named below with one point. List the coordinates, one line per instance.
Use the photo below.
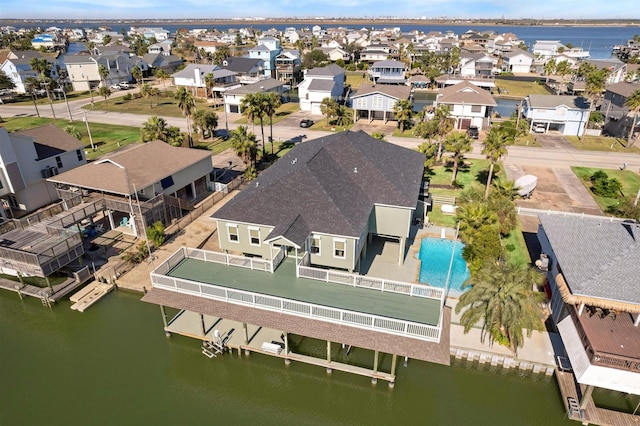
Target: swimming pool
(435, 256)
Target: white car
(540, 128)
(114, 87)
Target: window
(361, 103)
(377, 102)
(315, 245)
(254, 236)
(476, 108)
(232, 231)
(79, 153)
(339, 247)
(59, 162)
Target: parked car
(539, 128)
(124, 86)
(473, 132)
(114, 87)
(306, 123)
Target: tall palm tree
(474, 216)
(494, 148)
(145, 92)
(206, 121)
(136, 73)
(458, 144)
(104, 92)
(31, 85)
(343, 115)
(73, 131)
(155, 128)
(43, 68)
(403, 111)
(163, 76)
(104, 73)
(328, 108)
(252, 106)
(244, 144)
(210, 83)
(272, 101)
(633, 103)
(187, 104)
(595, 82)
(445, 125)
(503, 299)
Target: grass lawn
(322, 125)
(355, 79)
(468, 174)
(520, 89)
(630, 185)
(106, 137)
(161, 105)
(24, 100)
(282, 113)
(516, 247)
(601, 143)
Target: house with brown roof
(469, 104)
(376, 102)
(27, 159)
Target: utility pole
(93, 148)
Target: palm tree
(272, 102)
(31, 85)
(244, 144)
(104, 92)
(328, 108)
(210, 83)
(494, 148)
(595, 81)
(343, 116)
(155, 128)
(136, 73)
(633, 103)
(445, 125)
(403, 111)
(162, 75)
(104, 72)
(43, 68)
(145, 92)
(206, 121)
(502, 297)
(253, 107)
(174, 136)
(73, 131)
(458, 144)
(474, 216)
(187, 104)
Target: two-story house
(388, 72)
(517, 61)
(469, 104)
(376, 102)
(83, 70)
(194, 77)
(17, 67)
(318, 84)
(247, 70)
(475, 65)
(27, 159)
(288, 66)
(233, 97)
(592, 268)
(567, 115)
(618, 117)
(267, 49)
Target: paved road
(554, 155)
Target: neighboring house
(567, 115)
(469, 104)
(29, 157)
(320, 83)
(233, 97)
(165, 62)
(592, 271)
(208, 46)
(388, 72)
(376, 102)
(335, 53)
(617, 69)
(618, 118)
(247, 70)
(502, 43)
(378, 52)
(267, 49)
(327, 197)
(83, 70)
(17, 66)
(547, 49)
(150, 32)
(476, 65)
(193, 76)
(288, 66)
(47, 41)
(165, 179)
(517, 61)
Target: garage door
(315, 109)
(465, 123)
(234, 109)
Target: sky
(172, 9)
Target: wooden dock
(89, 295)
(191, 324)
(592, 414)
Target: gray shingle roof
(332, 183)
(599, 258)
(321, 85)
(465, 92)
(554, 101)
(329, 70)
(50, 140)
(257, 87)
(398, 92)
(241, 65)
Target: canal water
(114, 365)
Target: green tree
(343, 116)
(6, 82)
(73, 131)
(155, 233)
(31, 85)
(43, 68)
(563, 68)
(187, 105)
(494, 147)
(503, 299)
(429, 150)
(104, 92)
(403, 112)
(549, 68)
(146, 92)
(155, 128)
(106, 39)
(474, 216)
(595, 82)
(633, 103)
(444, 126)
(136, 73)
(221, 54)
(210, 83)
(328, 107)
(244, 145)
(205, 121)
(252, 106)
(458, 144)
(104, 73)
(271, 102)
(174, 136)
(162, 75)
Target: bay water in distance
(113, 365)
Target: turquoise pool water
(435, 256)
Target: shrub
(155, 233)
(127, 97)
(604, 186)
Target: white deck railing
(373, 283)
(253, 263)
(301, 309)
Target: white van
(124, 85)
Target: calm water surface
(113, 365)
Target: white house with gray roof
(469, 104)
(327, 198)
(193, 77)
(388, 72)
(376, 102)
(593, 270)
(564, 114)
(517, 61)
(318, 84)
(233, 98)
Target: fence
(443, 199)
(525, 211)
(302, 309)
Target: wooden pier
(590, 414)
(255, 339)
(89, 295)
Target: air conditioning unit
(49, 172)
